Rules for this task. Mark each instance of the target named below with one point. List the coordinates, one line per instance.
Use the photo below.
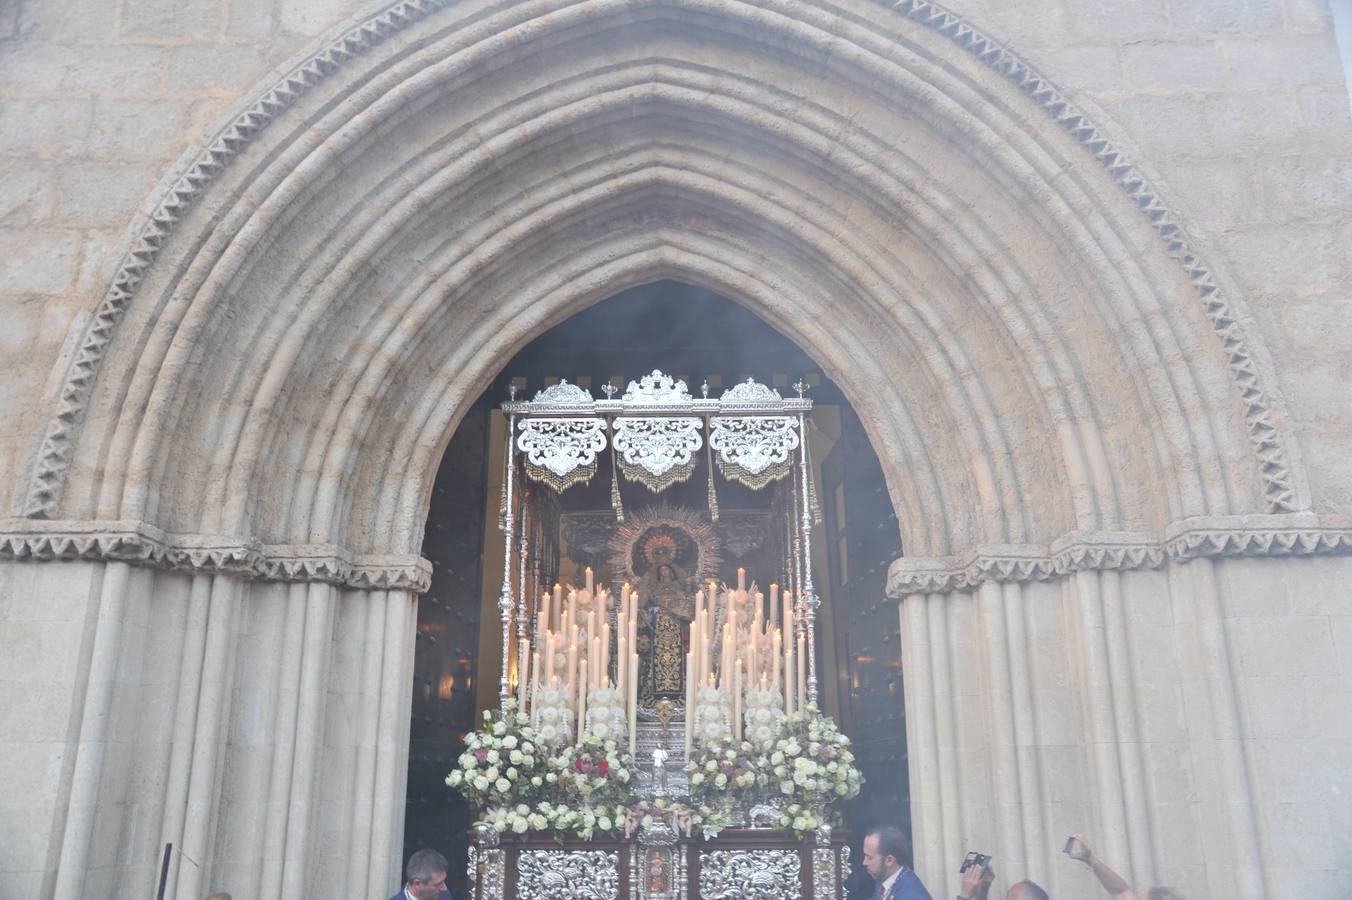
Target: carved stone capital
(1296, 534)
(142, 544)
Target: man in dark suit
(885, 848)
(426, 874)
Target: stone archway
(1050, 375)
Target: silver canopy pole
(505, 602)
(808, 599)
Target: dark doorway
(699, 336)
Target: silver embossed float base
(749, 875)
(579, 874)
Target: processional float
(575, 774)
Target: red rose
(602, 767)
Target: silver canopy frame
(659, 429)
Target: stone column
(1172, 699)
(247, 704)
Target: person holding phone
(977, 878)
(1078, 848)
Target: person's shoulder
(909, 887)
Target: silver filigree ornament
(564, 394)
(657, 452)
(657, 389)
(823, 876)
(561, 452)
(486, 857)
(748, 393)
(824, 866)
(578, 874)
(754, 450)
(749, 875)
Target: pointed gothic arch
(1052, 378)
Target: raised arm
(1113, 883)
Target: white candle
(542, 615)
(741, 579)
(633, 702)
(751, 666)
(788, 674)
(534, 677)
(776, 651)
(704, 662)
(589, 580)
(572, 662)
(549, 655)
(689, 701)
(605, 651)
(737, 699)
(582, 702)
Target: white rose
(516, 757)
(493, 757)
(551, 778)
(492, 773)
(537, 780)
(480, 783)
(511, 773)
(697, 779)
(503, 785)
(454, 779)
(519, 824)
(509, 741)
(786, 787)
(776, 758)
(499, 729)
(603, 823)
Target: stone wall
(1241, 110)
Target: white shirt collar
(408, 895)
(891, 880)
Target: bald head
(1026, 890)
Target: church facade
(1081, 269)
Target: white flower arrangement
(502, 762)
(594, 770)
(812, 766)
